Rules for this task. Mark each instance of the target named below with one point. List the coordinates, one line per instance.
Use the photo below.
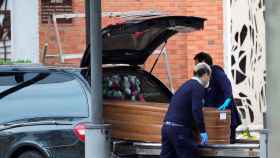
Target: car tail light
(80, 131)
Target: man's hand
(225, 105)
(204, 138)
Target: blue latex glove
(225, 105)
(204, 138)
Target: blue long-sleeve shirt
(218, 91)
(219, 88)
(186, 105)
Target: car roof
(36, 67)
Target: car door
(5, 79)
(4, 142)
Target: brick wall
(181, 48)
(72, 35)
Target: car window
(122, 87)
(153, 92)
(29, 95)
(132, 86)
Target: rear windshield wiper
(25, 122)
(24, 84)
(47, 122)
(41, 119)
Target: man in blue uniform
(184, 109)
(219, 93)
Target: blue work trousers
(177, 142)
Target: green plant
(247, 134)
(10, 62)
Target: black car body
(43, 110)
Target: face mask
(206, 85)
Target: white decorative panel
(247, 60)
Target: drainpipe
(227, 36)
(97, 143)
(273, 76)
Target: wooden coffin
(142, 121)
(217, 125)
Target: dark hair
(204, 57)
(202, 72)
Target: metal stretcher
(126, 149)
(242, 149)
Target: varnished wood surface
(142, 121)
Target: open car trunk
(133, 117)
(133, 41)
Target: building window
(5, 31)
(51, 7)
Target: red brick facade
(181, 48)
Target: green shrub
(10, 62)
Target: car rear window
(31, 95)
(131, 86)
